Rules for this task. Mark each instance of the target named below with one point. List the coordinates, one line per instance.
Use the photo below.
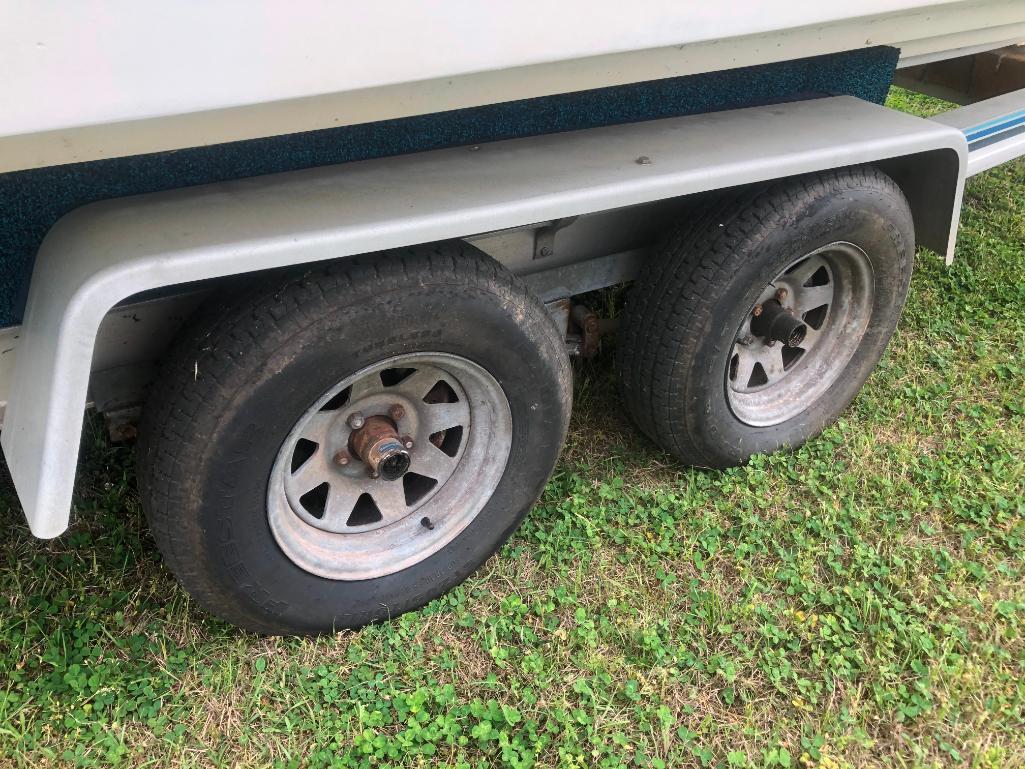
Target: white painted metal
(106, 78)
(1000, 148)
(102, 253)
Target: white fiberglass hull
(96, 79)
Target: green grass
(858, 603)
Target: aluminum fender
(103, 253)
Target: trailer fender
(103, 253)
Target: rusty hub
(378, 444)
(777, 323)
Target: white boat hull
(94, 79)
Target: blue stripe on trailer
(995, 126)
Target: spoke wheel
(816, 265)
(769, 381)
(335, 517)
(336, 446)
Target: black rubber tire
(684, 310)
(250, 363)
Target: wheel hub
(776, 323)
(383, 451)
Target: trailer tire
(711, 380)
(325, 357)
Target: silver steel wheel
(800, 334)
(389, 466)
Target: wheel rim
(444, 429)
(798, 337)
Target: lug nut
(396, 412)
(407, 441)
(781, 294)
(757, 310)
(356, 420)
(342, 458)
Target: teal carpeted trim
(31, 201)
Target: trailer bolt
(342, 458)
(545, 251)
(643, 160)
(396, 412)
(355, 420)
